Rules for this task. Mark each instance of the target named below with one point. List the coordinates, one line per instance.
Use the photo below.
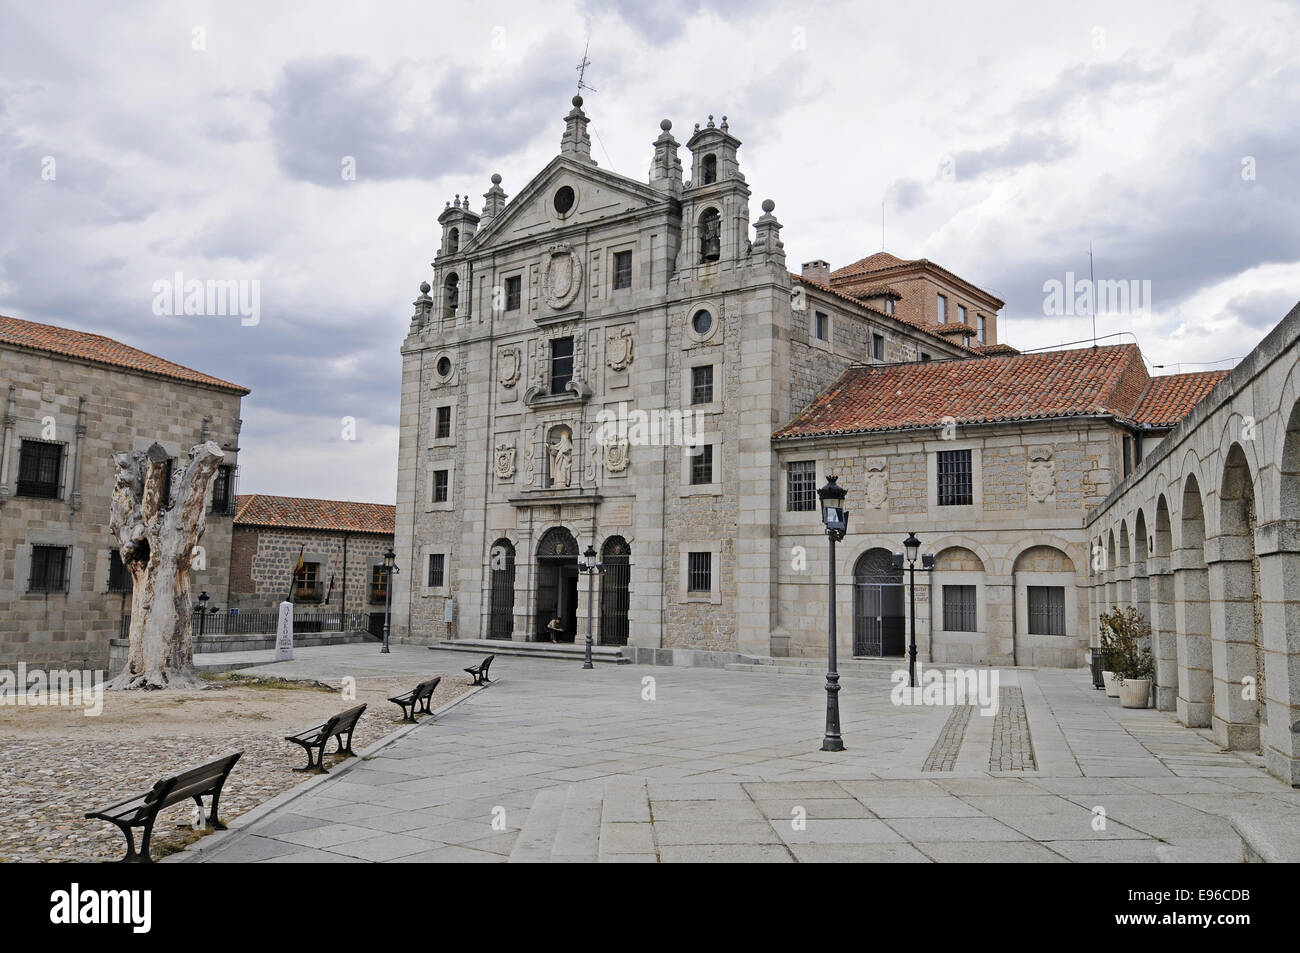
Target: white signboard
(284, 633)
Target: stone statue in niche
(561, 451)
(1042, 474)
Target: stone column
(1164, 635)
(1232, 634)
(1124, 585)
(1140, 591)
(1278, 546)
(1192, 622)
(1000, 620)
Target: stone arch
(1192, 611)
(710, 235)
(556, 559)
(1049, 627)
(1288, 502)
(959, 607)
(453, 240)
(615, 590)
(878, 605)
(501, 589)
(1164, 632)
(1124, 568)
(451, 295)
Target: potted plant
(1106, 651)
(1128, 638)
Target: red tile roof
(101, 350)
(293, 512)
(877, 262)
(867, 273)
(1110, 381)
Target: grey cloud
(1092, 80)
(659, 23)
(1022, 149)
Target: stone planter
(1135, 692)
(1112, 687)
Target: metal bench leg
(214, 819)
(144, 857)
(131, 856)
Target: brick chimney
(818, 271)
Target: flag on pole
(330, 591)
(298, 568)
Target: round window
(702, 322)
(444, 366)
(564, 199)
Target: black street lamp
(203, 610)
(836, 520)
(390, 567)
(911, 547)
(587, 564)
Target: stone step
(535, 841)
(1201, 852)
(577, 835)
(565, 651)
(1267, 839)
(856, 667)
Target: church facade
(630, 367)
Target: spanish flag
(297, 571)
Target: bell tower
(715, 202)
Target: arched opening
(616, 556)
(1236, 612)
(501, 601)
(1047, 611)
(710, 235)
(878, 615)
(557, 586)
(1124, 569)
(958, 608)
(1192, 613)
(1163, 630)
(451, 296)
(709, 169)
(1112, 567)
(453, 241)
(1289, 475)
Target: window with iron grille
(959, 608)
(878, 346)
(955, 487)
(440, 485)
(223, 490)
(514, 292)
(40, 468)
(378, 583)
(561, 364)
(801, 485)
(49, 570)
(437, 567)
(119, 577)
(622, 270)
(442, 428)
(1046, 610)
(699, 572)
(702, 466)
(702, 384)
(306, 586)
(822, 327)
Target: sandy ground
(56, 763)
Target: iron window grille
(702, 384)
(40, 469)
(50, 570)
(955, 487)
(119, 577)
(699, 572)
(801, 486)
(440, 485)
(514, 292)
(702, 466)
(561, 364)
(437, 570)
(1046, 610)
(224, 490)
(442, 429)
(622, 270)
(959, 608)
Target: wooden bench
(142, 810)
(315, 738)
(416, 701)
(480, 671)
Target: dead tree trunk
(157, 544)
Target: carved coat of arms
(616, 459)
(1042, 474)
(509, 361)
(561, 276)
(618, 349)
(504, 461)
(877, 483)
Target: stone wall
(263, 560)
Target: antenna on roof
(582, 68)
(1092, 282)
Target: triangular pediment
(597, 194)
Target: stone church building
(631, 366)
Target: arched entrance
(616, 556)
(501, 569)
(878, 618)
(557, 585)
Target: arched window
(453, 241)
(877, 605)
(501, 566)
(453, 294)
(616, 557)
(709, 169)
(710, 235)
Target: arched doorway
(557, 585)
(616, 556)
(1237, 612)
(878, 619)
(501, 571)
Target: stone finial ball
(665, 124)
(424, 287)
(768, 206)
(496, 178)
(577, 101)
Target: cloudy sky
(141, 140)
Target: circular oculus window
(564, 199)
(444, 366)
(702, 322)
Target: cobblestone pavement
(943, 756)
(554, 763)
(1012, 748)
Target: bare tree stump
(157, 545)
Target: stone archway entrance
(878, 616)
(557, 585)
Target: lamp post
(836, 520)
(911, 547)
(203, 610)
(587, 564)
(390, 567)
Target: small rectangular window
(980, 320)
(955, 487)
(1046, 610)
(878, 346)
(223, 490)
(702, 384)
(49, 569)
(40, 468)
(959, 608)
(437, 566)
(961, 313)
(440, 484)
(943, 310)
(702, 466)
(823, 326)
(561, 364)
(442, 429)
(378, 583)
(699, 572)
(514, 292)
(889, 306)
(801, 486)
(119, 577)
(925, 358)
(622, 270)
(307, 583)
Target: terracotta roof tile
(293, 512)
(101, 350)
(877, 262)
(1170, 398)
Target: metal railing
(266, 621)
